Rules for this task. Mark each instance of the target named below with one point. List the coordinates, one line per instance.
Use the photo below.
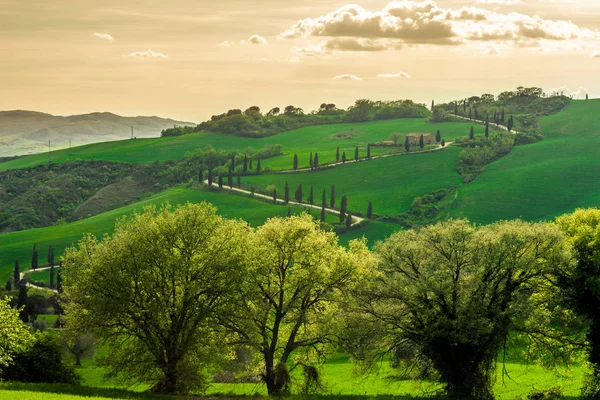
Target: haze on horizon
(190, 59)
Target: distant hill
(28, 132)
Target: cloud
(225, 43)
(103, 36)
(491, 51)
(147, 54)
(576, 94)
(255, 39)
(346, 77)
(414, 22)
(293, 60)
(399, 75)
(495, 2)
(596, 54)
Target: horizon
(188, 62)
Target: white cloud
(225, 43)
(505, 2)
(576, 94)
(147, 54)
(596, 54)
(103, 36)
(399, 75)
(346, 77)
(255, 39)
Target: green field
(19, 245)
(544, 179)
(302, 141)
(391, 183)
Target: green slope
(18, 245)
(391, 184)
(545, 179)
(319, 139)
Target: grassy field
(541, 180)
(322, 139)
(391, 184)
(19, 245)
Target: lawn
(323, 139)
(391, 184)
(542, 180)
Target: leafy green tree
(337, 154)
(233, 161)
(311, 196)
(152, 290)
(295, 164)
(324, 199)
(286, 195)
(472, 133)
(510, 124)
(298, 275)
(78, 345)
(316, 161)
(201, 176)
(343, 205)
(407, 144)
(356, 153)
(14, 336)
(451, 294)
(344, 157)
(370, 210)
(16, 274)
(298, 194)
(438, 136)
(432, 104)
(332, 197)
(250, 164)
(34, 258)
(421, 142)
(348, 221)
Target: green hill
(544, 179)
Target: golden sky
(189, 59)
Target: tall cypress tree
(348, 220)
(337, 154)
(245, 162)
(310, 161)
(502, 115)
(310, 196)
(316, 161)
(16, 274)
(438, 136)
(8, 286)
(343, 206)
(230, 179)
(370, 210)
(470, 113)
(289, 214)
(210, 177)
(34, 258)
(465, 106)
(258, 166)
(369, 151)
(51, 276)
(52, 256)
(298, 194)
(201, 176)
(274, 195)
(472, 134)
(250, 164)
(324, 199)
(343, 157)
(443, 143)
(510, 123)
(476, 112)
(286, 193)
(332, 197)
(323, 214)
(356, 153)
(59, 280)
(487, 126)
(233, 161)
(456, 108)
(432, 104)
(421, 142)
(407, 144)
(22, 302)
(295, 163)
(220, 181)
(49, 253)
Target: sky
(190, 59)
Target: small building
(414, 138)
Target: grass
(542, 180)
(321, 139)
(19, 245)
(391, 184)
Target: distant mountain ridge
(25, 132)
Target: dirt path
(483, 123)
(22, 275)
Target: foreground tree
(298, 274)
(150, 290)
(451, 293)
(13, 334)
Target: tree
(298, 194)
(295, 164)
(450, 294)
(368, 151)
(250, 164)
(502, 115)
(220, 181)
(274, 112)
(201, 176)
(59, 287)
(348, 221)
(438, 136)
(14, 336)
(152, 289)
(210, 177)
(258, 166)
(472, 133)
(432, 104)
(421, 142)
(456, 108)
(370, 210)
(310, 161)
(322, 214)
(22, 304)
(8, 286)
(343, 205)
(337, 154)
(233, 161)
(470, 113)
(230, 179)
(16, 274)
(298, 275)
(443, 143)
(487, 126)
(275, 195)
(52, 276)
(286, 195)
(407, 144)
(343, 157)
(395, 137)
(316, 161)
(34, 258)
(332, 197)
(239, 180)
(78, 345)
(49, 254)
(245, 162)
(587, 96)
(289, 214)
(509, 126)
(311, 196)
(324, 199)
(356, 153)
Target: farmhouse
(414, 138)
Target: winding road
(22, 275)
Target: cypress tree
(34, 258)
(370, 210)
(316, 161)
(274, 195)
(324, 200)
(337, 154)
(407, 144)
(210, 177)
(289, 212)
(432, 104)
(245, 162)
(49, 253)
(220, 181)
(343, 206)
(443, 143)
(476, 112)
(250, 165)
(472, 134)
(438, 136)
(310, 196)
(332, 197)
(59, 288)
(356, 153)
(323, 214)
(464, 106)
(239, 180)
(52, 256)
(496, 117)
(470, 113)
(421, 142)
(587, 96)
(51, 276)
(230, 179)
(456, 108)
(310, 161)
(16, 274)
(233, 161)
(258, 166)
(22, 302)
(348, 220)
(502, 115)
(201, 176)
(295, 163)
(487, 126)
(510, 123)
(8, 286)
(343, 157)
(369, 151)
(298, 195)
(286, 193)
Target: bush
(41, 362)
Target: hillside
(28, 132)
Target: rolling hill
(28, 132)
